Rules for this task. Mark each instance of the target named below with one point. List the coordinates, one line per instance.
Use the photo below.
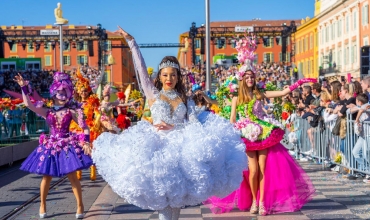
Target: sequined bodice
(258, 110)
(161, 111)
(59, 124)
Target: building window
(365, 15)
(268, 42)
(47, 47)
(233, 44)
(30, 48)
(14, 48)
(255, 58)
(327, 34)
(354, 20)
(82, 59)
(221, 43)
(347, 24)
(333, 57)
(66, 46)
(311, 41)
(198, 59)
(366, 41)
(30, 56)
(340, 26)
(13, 56)
(48, 60)
(355, 53)
(278, 40)
(339, 59)
(268, 57)
(81, 45)
(307, 47)
(108, 45)
(66, 60)
(197, 43)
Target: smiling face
(84, 93)
(249, 79)
(60, 98)
(168, 78)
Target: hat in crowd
(196, 87)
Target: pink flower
(39, 149)
(45, 152)
(42, 138)
(42, 158)
(53, 152)
(77, 150)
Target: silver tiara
(168, 64)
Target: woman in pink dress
(274, 182)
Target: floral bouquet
(249, 130)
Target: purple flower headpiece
(61, 81)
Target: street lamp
(192, 34)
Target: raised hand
(123, 33)
(19, 79)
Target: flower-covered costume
(59, 153)
(90, 108)
(122, 120)
(287, 186)
(183, 166)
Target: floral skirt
(57, 156)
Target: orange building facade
(78, 51)
(270, 51)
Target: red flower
(285, 115)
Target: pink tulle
(287, 187)
(275, 137)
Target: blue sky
(150, 21)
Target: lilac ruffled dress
(59, 153)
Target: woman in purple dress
(61, 153)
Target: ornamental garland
(81, 118)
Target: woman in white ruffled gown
(171, 163)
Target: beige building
(339, 37)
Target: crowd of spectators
(329, 105)
(38, 79)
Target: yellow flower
(150, 70)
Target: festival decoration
(150, 71)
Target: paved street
(337, 198)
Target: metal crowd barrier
(324, 147)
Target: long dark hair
(180, 87)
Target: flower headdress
(82, 83)
(246, 48)
(107, 90)
(61, 81)
(121, 95)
